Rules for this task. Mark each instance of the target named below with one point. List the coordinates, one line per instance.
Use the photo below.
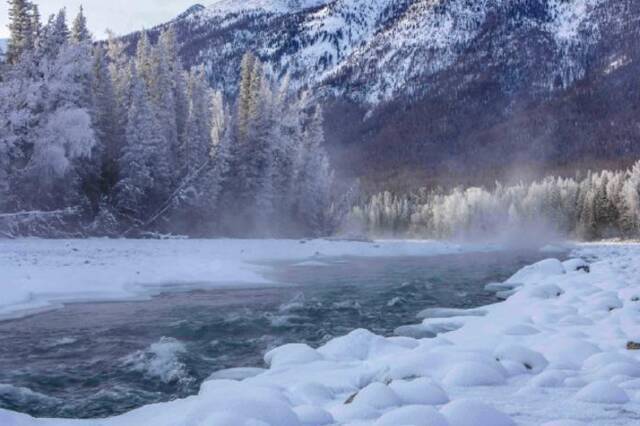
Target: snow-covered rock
(473, 413)
(412, 415)
(293, 353)
(420, 391)
(603, 392)
(531, 360)
(473, 374)
(377, 395)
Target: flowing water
(101, 359)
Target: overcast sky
(121, 16)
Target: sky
(121, 16)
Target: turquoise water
(101, 359)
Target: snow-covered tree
(79, 31)
(168, 43)
(316, 178)
(197, 140)
(105, 119)
(136, 183)
(21, 28)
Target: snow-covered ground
(40, 274)
(554, 353)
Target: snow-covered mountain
(447, 80)
(385, 48)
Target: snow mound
(473, 374)
(377, 395)
(359, 345)
(536, 271)
(531, 360)
(602, 392)
(549, 379)
(567, 352)
(251, 402)
(313, 416)
(293, 353)
(420, 391)
(472, 413)
(412, 415)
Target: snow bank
(556, 356)
(43, 274)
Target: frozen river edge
(39, 274)
(555, 352)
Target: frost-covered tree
(49, 133)
(137, 143)
(133, 191)
(21, 28)
(79, 31)
(315, 177)
(106, 120)
(168, 44)
(197, 140)
(120, 73)
(161, 91)
(144, 59)
(598, 205)
(36, 24)
(247, 68)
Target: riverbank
(42, 274)
(554, 353)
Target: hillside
(422, 88)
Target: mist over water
(102, 359)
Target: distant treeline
(594, 206)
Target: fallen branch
(168, 203)
(39, 213)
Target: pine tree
(219, 120)
(120, 72)
(287, 141)
(79, 31)
(61, 30)
(36, 24)
(21, 29)
(168, 42)
(55, 34)
(315, 178)
(143, 58)
(136, 181)
(219, 153)
(260, 160)
(161, 90)
(247, 68)
(197, 145)
(105, 119)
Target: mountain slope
(423, 87)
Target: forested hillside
(96, 142)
